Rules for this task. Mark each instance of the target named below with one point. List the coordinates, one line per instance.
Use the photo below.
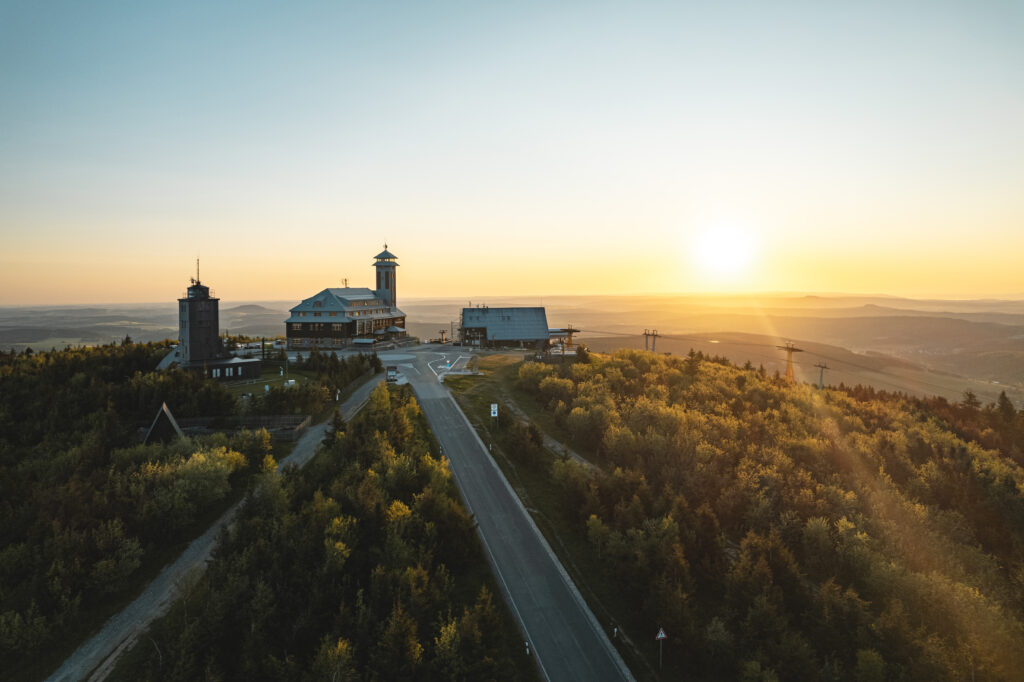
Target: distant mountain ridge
(980, 341)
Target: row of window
(228, 372)
(354, 313)
(317, 326)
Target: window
(316, 314)
(302, 314)
(230, 371)
(318, 304)
(333, 314)
(216, 373)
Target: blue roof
(508, 324)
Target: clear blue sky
(509, 148)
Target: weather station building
(498, 327)
(200, 347)
(350, 317)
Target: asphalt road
(564, 635)
(95, 659)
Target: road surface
(563, 633)
(95, 659)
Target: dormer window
(318, 304)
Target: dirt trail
(555, 446)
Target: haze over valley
(922, 347)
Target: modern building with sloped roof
(493, 327)
(344, 317)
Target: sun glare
(724, 251)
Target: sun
(724, 251)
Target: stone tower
(385, 264)
(198, 324)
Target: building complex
(346, 317)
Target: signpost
(661, 641)
(494, 413)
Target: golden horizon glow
(510, 149)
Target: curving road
(95, 659)
(564, 635)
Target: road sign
(494, 409)
(661, 633)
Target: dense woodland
(361, 566)
(780, 532)
(84, 506)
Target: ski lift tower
(790, 349)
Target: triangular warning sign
(661, 633)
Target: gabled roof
(508, 324)
(351, 293)
(337, 299)
(164, 427)
(340, 300)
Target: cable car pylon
(790, 349)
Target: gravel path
(555, 446)
(95, 659)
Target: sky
(513, 148)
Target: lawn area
(498, 380)
(270, 376)
(544, 499)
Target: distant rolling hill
(253, 320)
(884, 372)
(920, 346)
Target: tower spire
(197, 269)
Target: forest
(781, 532)
(362, 566)
(87, 513)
